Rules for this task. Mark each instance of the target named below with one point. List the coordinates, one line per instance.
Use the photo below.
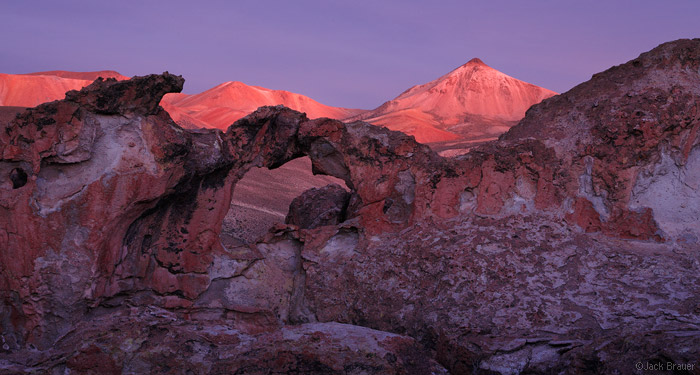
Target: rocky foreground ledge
(568, 246)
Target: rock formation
(108, 204)
(570, 245)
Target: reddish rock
(92, 360)
(617, 131)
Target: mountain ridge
(470, 104)
(89, 76)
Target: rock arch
(135, 203)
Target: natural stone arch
(181, 231)
(262, 199)
(143, 207)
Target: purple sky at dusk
(342, 53)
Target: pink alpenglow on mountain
(29, 90)
(222, 105)
(473, 101)
(88, 76)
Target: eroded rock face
(630, 138)
(550, 250)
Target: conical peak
(475, 61)
(233, 83)
(475, 64)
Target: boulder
(318, 207)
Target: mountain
(29, 90)
(88, 76)
(470, 104)
(473, 102)
(220, 106)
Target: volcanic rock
(152, 340)
(629, 136)
(108, 203)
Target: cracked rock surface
(570, 245)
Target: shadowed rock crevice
(18, 177)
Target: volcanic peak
(475, 61)
(473, 102)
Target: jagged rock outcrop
(630, 136)
(501, 275)
(568, 246)
(156, 341)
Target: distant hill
(220, 106)
(30, 90)
(88, 76)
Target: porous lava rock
(570, 245)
